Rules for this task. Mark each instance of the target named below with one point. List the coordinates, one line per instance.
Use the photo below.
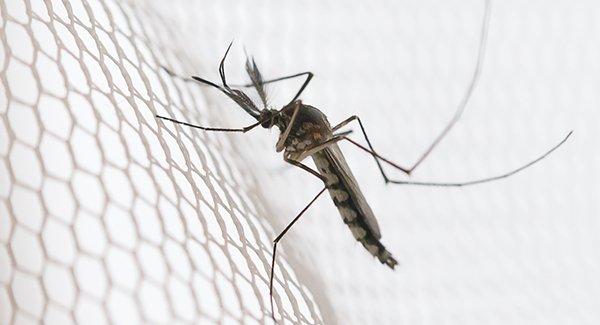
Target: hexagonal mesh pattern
(106, 214)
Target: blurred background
(203, 208)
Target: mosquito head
(270, 118)
(238, 95)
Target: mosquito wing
(339, 167)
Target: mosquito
(306, 132)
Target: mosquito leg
(467, 95)
(247, 85)
(308, 75)
(309, 151)
(243, 130)
(306, 168)
(276, 241)
(281, 143)
(457, 114)
(321, 146)
(287, 228)
(375, 156)
(174, 75)
(457, 184)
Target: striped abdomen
(349, 200)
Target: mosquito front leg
(308, 75)
(281, 143)
(253, 72)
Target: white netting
(107, 215)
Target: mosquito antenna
(235, 94)
(467, 95)
(222, 66)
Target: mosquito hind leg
(467, 95)
(458, 184)
(457, 114)
(372, 150)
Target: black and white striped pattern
(350, 202)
